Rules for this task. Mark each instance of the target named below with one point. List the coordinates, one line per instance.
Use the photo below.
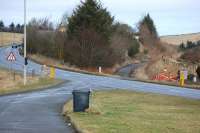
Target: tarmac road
(127, 70)
(39, 112)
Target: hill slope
(178, 39)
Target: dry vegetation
(156, 50)
(178, 39)
(191, 55)
(9, 84)
(7, 38)
(60, 64)
(7, 79)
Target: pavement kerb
(73, 124)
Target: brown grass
(8, 38)
(8, 85)
(58, 63)
(66, 66)
(7, 79)
(178, 39)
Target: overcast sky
(170, 16)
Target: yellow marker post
(52, 72)
(182, 79)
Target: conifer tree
(148, 21)
(1, 25)
(90, 15)
(88, 35)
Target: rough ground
(7, 79)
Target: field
(178, 39)
(8, 38)
(11, 83)
(119, 111)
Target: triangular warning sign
(11, 57)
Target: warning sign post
(11, 58)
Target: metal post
(1, 37)
(100, 69)
(13, 40)
(25, 80)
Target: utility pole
(25, 65)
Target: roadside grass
(9, 86)
(123, 111)
(42, 83)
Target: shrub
(146, 51)
(41, 37)
(198, 71)
(133, 49)
(190, 77)
(192, 55)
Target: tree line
(11, 28)
(189, 45)
(190, 51)
(90, 37)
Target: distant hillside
(178, 39)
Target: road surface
(39, 112)
(127, 70)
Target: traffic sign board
(11, 57)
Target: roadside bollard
(80, 100)
(52, 72)
(182, 79)
(195, 79)
(100, 70)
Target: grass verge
(134, 112)
(12, 82)
(42, 83)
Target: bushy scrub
(133, 49)
(198, 71)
